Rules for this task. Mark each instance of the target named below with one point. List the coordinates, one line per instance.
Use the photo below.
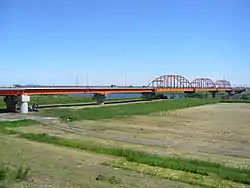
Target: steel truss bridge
(162, 84)
(20, 96)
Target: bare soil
(57, 167)
(219, 128)
(219, 132)
(164, 151)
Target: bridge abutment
(100, 98)
(13, 101)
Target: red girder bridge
(14, 96)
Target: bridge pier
(148, 96)
(230, 94)
(23, 101)
(213, 94)
(13, 101)
(100, 98)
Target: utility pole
(125, 82)
(77, 80)
(125, 79)
(77, 84)
(87, 79)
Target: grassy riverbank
(125, 110)
(187, 165)
(62, 99)
(193, 166)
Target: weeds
(18, 123)
(9, 131)
(235, 101)
(187, 165)
(4, 125)
(176, 175)
(111, 180)
(22, 173)
(3, 173)
(125, 110)
(11, 174)
(62, 99)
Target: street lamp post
(125, 79)
(125, 82)
(77, 84)
(87, 79)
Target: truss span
(170, 81)
(203, 83)
(178, 81)
(222, 84)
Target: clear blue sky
(51, 41)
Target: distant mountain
(26, 85)
(30, 85)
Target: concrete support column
(148, 96)
(213, 94)
(23, 103)
(11, 103)
(100, 98)
(230, 94)
(23, 107)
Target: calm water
(138, 95)
(125, 95)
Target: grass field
(125, 110)
(196, 170)
(235, 101)
(52, 166)
(188, 165)
(206, 146)
(176, 175)
(173, 151)
(61, 99)
(64, 99)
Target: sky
(131, 42)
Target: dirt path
(94, 105)
(55, 123)
(221, 129)
(76, 130)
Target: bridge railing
(165, 81)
